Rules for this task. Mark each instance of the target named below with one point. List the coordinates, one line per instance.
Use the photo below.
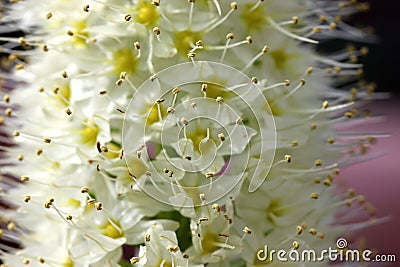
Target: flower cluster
(177, 133)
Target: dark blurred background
(384, 57)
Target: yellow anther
(249, 39)
(156, 31)
(49, 203)
(209, 175)
(128, 17)
(40, 259)
(84, 190)
(134, 260)
(320, 235)
(312, 231)
(247, 230)
(216, 207)
(11, 226)
(234, 6)
(327, 182)
(27, 198)
(230, 36)
(299, 230)
(221, 137)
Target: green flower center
(209, 242)
(153, 115)
(138, 168)
(64, 94)
(196, 135)
(280, 58)
(146, 14)
(273, 210)
(80, 34)
(68, 263)
(124, 60)
(89, 133)
(184, 41)
(254, 20)
(112, 230)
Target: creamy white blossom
(177, 133)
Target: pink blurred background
(379, 180)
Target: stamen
(204, 89)
(86, 8)
(49, 203)
(175, 92)
(312, 231)
(296, 245)
(198, 45)
(293, 21)
(301, 84)
(216, 207)
(292, 35)
(263, 51)
(135, 260)
(160, 118)
(229, 37)
(191, 13)
(287, 159)
(256, 5)
(285, 83)
(137, 47)
(157, 32)
(128, 17)
(332, 62)
(64, 74)
(234, 7)
(191, 56)
(247, 230)
(155, 2)
(217, 6)
(299, 230)
(150, 55)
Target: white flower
(213, 236)
(202, 144)
(161, 249)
